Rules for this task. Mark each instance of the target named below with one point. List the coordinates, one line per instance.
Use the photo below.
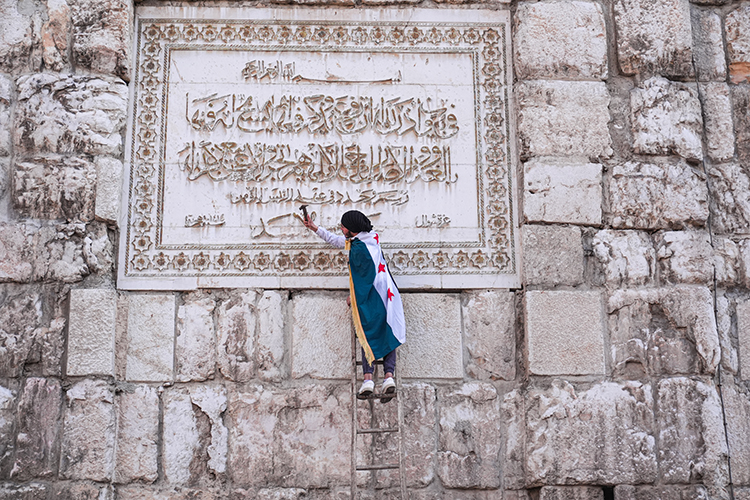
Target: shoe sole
(391, 391)
(364, 394)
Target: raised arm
(330, 238)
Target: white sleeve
(330, 238)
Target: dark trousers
(389, 363)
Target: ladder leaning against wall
(372, 401)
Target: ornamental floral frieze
(238, 119)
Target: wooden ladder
(357, 431)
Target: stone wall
(619, 371)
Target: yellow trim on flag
(355, 316)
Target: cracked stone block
(195, 345)
(8, 400)
(30, 491)
(717, 109)
(137, 435)
(729, 185)
(708, 46)
(666, 118)
(724, 317)
(321, 336)
(236, 326)
(663, 331)
(737, 29)
(109, 174)
(489, 334)
(16, 253)
(101, 36)
(560, 40)
(55, 36)
(6, 97)
(20, 38)
(513, 410)
(563, 191)
(559, 118)
(433, 337)
(692, 446)
(654, 37)
(151, 332)
(741, 113)
(553, 255)
(685, 256)
(571, 493)
(737, 411)
(420, 447)
(91, 332)
(727, 261)
(271, 336)
(743, 333)
(70, 114)
(469, 447)
(602, 435)
(88, 439)
(627, 258)
(565, 332)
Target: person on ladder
(377, 312)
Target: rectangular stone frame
(489, 262)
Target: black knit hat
(356, 222)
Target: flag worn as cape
(376, 303)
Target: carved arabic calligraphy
(256, 70)
(434, 220)
(204, 220)
(262, 196)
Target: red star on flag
(377, 238)
(390, 295)
(381, 268)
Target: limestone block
(6, 97)
(8, 399)
(433, 337)
(89, 437)
(101, 36)
(271, 337)
(654, 37)
(741, 493)
(82, 491)
(553, 255)
(55, 36)
(91, 332)
(109, 172)
(514, 415)
(562, 191)
(628, 258)
(691, 433)
(737, 411)
(151, 331)
(666, 118)
(725, 311)
(70, 252)
(19, 38)
(743, 334)
(282, 494)
(30, 491)
(654, 196)
(236, 319)
(685, 256)
(737, 27)
(69, 114)
(726, 262)
(55, 188)
(663, 331)
(559, 118)
(603, 435)
(212, 402)
(16, 253)
(561, 40)
(137, 435)
(195, 345)
(729, 185)
(420, 447)
(489, 320)
(708, 46)
(741, 114)
(571, 493)
(671, 492)
(297, 437)
(469, 448)
(717, 109)
(564, 332)
(321, 336)
(4, 187)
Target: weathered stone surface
(560, 118)
(553, 255)
(514, 415)
(81, 491)
(561, 40)
(489, 320)
(671, 492)
(109, 172)
(101, 37)
(691, 436)
(729, 185)
(571, 493)
(55, 188)
(420, 445)
(725, 310)
(37, 446)
(737, 411)
(7, 418)
(663, 331)
(726, 262)
(4, 188)
(299, 437)
(627, 258)
(137, 435)
(717, 109)
(271, 338)
(55, 34)
(89, 436)
(737, 26)
(30, 491)
(603, 435)
(685, 256)
(562, 191)
(16, 253)
(69, 114)
(19, 37)
(151, 331)
(654, 37)
(564, 332)
(321, 336)
(137, 492)
(708, 46)
(6, 97)
(195, 345)
(433, 337)
(281, 494)
(741, 114)
(468, 455)
(91, 332)
(666, 118)
(743, 334)
(69, 252)
(656, 196)
(236, 320)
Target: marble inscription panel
(240, 116)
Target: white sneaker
(387, 390)
(368, 387)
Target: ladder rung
(376, 362)
(376, 431)
(390, 395)
(377, 467)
